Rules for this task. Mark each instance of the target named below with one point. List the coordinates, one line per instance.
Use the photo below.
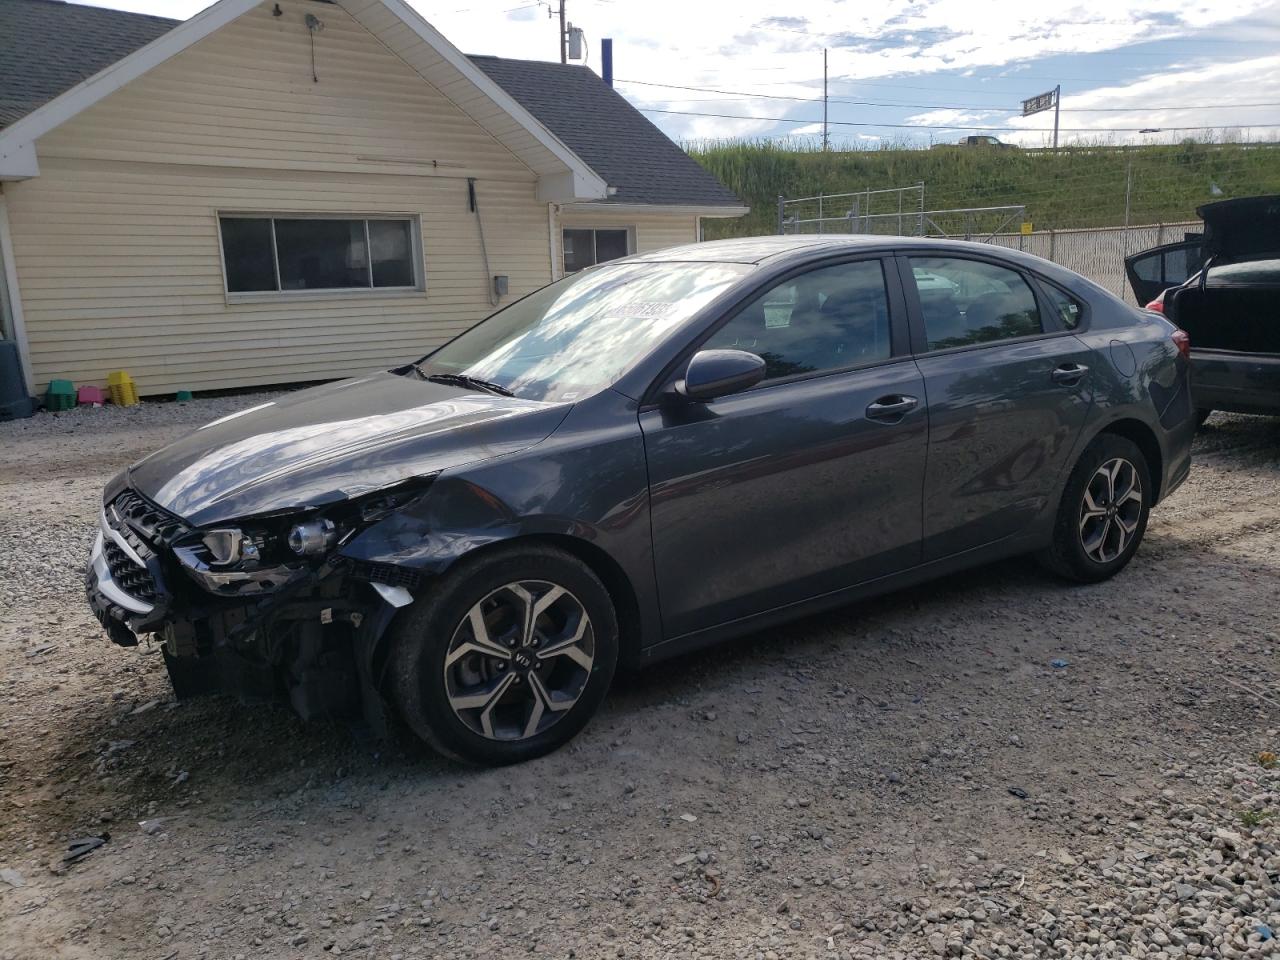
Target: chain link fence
(1086, 208)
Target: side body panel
(781, 493)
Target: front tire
(1103, 513)
(507, 657)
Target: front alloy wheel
(519, 660)
(1110, 510)
(506, 656)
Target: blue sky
(905, 70)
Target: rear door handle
(1069, 373)
(891, 409)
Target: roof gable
(638, 160)
(562, 174)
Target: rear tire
(507, 657)
(1103, 513)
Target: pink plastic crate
(90, 396)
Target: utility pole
(1057, 98)
(826, 139)
(563, 36)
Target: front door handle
(1069, 373)
(891, 409)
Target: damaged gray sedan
(638, 460)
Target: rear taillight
(1182, 342)
(1157, 304)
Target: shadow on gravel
(230, 754)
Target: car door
(806, 483)
(1153, 271)
(1008, 387)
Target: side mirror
(718, 373)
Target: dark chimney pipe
(606, 59)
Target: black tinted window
(822, 320)
(1148, 268)
(968, 301)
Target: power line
(954, 126)
(936, 106)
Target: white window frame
(418, 287)
(629, 230)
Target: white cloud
(1203, 96)
(749, 46)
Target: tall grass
(1077, 186)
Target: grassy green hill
(1062, 189)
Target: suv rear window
(1251, 271)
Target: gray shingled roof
(613, 137)
(49, 46)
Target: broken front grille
(158, 527)
(128, 576)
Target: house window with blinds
(294, 254)
(586, 248)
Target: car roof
(780, 253)
(762, 250)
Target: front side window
(586, 248)
(826, 319)
(293, 254)
(580, 334)
(968, 301)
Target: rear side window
(1068, 307)
(1253, 271)
(967, 301)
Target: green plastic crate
(61, 395)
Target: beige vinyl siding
(120, 268)
(116, 243)
(652, 231)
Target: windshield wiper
(465, 381)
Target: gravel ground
(908, 777)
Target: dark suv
(1223, 289)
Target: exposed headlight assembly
(267, 552)
(313, 538)
(230, 546)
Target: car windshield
(579, 335)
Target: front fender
(588, 482)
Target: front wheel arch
(619, 586)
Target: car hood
(1240, 228)
(335, 442)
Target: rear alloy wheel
(1110, 510)
(1103, 513)
(506, 657)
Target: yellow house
(276, 192)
